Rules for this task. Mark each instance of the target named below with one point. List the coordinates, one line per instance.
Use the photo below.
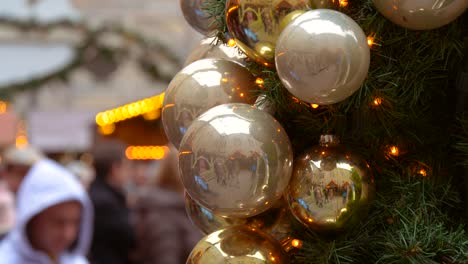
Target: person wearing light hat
(18, 161)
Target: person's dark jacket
(165, 233)
(113, 235)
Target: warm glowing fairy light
(394, 151)
(370, 41)
(296, 243)
(343, 3)
(231, 43)
(315, 106)
(377, 101)
(423, 172)
(148, 107)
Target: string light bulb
(370, 41)
(107, 129)
(343, 3)
(231, 42)
(3, 107)
(377, 101)
(314, 106)
(422, 172)
(394, 151)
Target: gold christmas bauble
(276, 221)
(421, 14)
(235, 160)
(207, 221)
(256, 25)
(238, 245)
(331, 188)
(200, 86)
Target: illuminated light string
(148, 107)
(3, 107)
(146, 152)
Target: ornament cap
(329, 141)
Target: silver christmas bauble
(421, 14)
(208, 49)
(199, 87)
(235, 160)
(197, 17)
(322, 57)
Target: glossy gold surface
(200, 86)
(330, 189)
(207, 221)
(421, 14)
(206, 49)
(238, 245)
(235, 160)
(197, 17)
(322, 57)
(256, 25)
(276, 221)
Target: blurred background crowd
(67, 67)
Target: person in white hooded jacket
(54, 219)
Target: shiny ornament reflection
(322, 57)
(235, 160)
(421, 14)
(206, 49)
(197, 18)
(276, 221)
(238, 245)
(265, 104)
(256, 25)
(207, 221)
(330, 189)
(200, 86)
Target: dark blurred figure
(113, 235)
(165, 235)
(54, 219)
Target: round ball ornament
(235, 160)
(208, 49)
(421, 14)
(237, 245)
(276, 221)
(197, 18)
(322, 57)
(200, 86)
(331, 188)
(256, 25)
(207, 221)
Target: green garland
(90, 41)
(413, 219)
